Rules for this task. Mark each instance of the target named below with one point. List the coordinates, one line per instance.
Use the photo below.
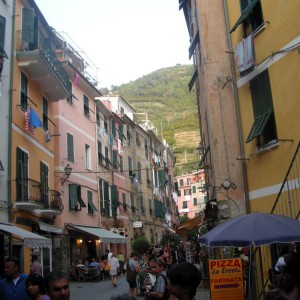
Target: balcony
(36, 55)
(55, 206)
(28, 194)
(32, 197)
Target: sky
(122, 39)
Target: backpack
(166, 293)
(130, 275)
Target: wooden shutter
(114, 200)
(70, 145)
(72, 196)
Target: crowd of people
(176, 279)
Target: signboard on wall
(226, 279)
(137, 224)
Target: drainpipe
(237, 107)
(10, 95)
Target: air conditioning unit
(114, 230)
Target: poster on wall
(226, 279)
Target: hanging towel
(239, 56)
(34, 119)
(248, 52)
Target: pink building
(191, 194)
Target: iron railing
(287, 203)
(55, 201)
(30, 40)
(29, 190)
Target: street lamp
(68, 170)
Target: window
(100, 155)
(146, 150)
(91, 205)
(70, 146)
(150, 207)
(187, 192)
(115, 159)
(148, 177)
(121, 163)
(121, 135)
(132, 203)
(105, 125)
(88, 163)
(22, 175)
(44, 175)
(128, 135)
(181, 182)
(251, 16)
(188, 181)
(122, 110)
(137, 138)
(194, 189)
(45, 114)
(179, 193)
(24, 90)
(2, 38)
(113, 128)
(131, 173)
(264, 126)
(75, 201)
(195, 201)
(98, 116)
(86, 107)
(139, 171)
(184, 204)
(124, 201)
(70, 98)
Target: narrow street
(103, 290)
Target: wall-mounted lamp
(79, 241)
(68, 170)
(98, 242)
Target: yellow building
(38, 80)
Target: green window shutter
(262, 104)
(2, 35)
(28, 25)
(205, 199)
(194, 189)
(161, 178)
(139, 171)
(106, 197)
(121, 135)
(113, 128)
(44, 173)
(115, 158)
(70, 146)
(195, 201)
(22, 175)
(167, 202)
(72, 196)
(176, 186)
(90, 202)
(114, 200)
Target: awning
(51, 228)
(30, 239)
(244, 15)
(103, 234)
(189, 225)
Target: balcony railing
(30, 40)
(55, 201)
(287, 202)
(29, 190)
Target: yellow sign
(226, 279)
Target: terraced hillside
(164, 97)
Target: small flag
(28, 126)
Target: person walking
(121, 260)
(36, 287)
(13, 286)
(113, 270)
(36, 267)
(132, 269)
(57, 285)
(159, 290)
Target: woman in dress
(113, 270)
